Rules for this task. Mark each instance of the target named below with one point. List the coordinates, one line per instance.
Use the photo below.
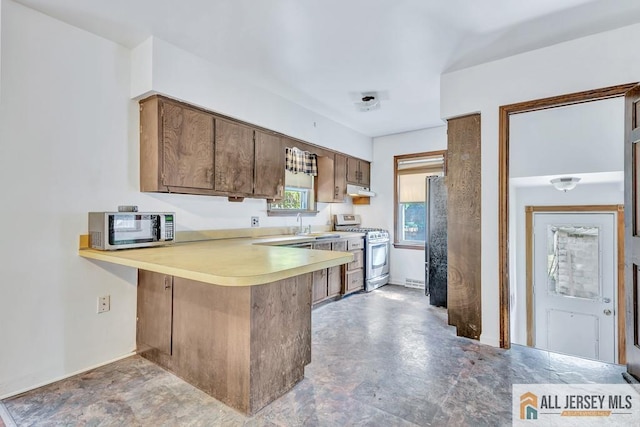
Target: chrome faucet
(299, 219)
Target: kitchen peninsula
(230, 316)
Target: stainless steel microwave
(125, 230)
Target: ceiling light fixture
(370, 101)
(565, 183)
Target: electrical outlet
(255, 221)
(104, 304)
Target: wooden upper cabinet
(325, 181)
(332, 179)
(365, 173)
(340, 176)
(176, 147)
(187, 147)
(353, 170)
(358, 171)
(234, 158)
(269, 166)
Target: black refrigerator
(435, 246)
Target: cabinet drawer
(357, 243)
(340, 245)
(357, 261)
(354, 280)
(324, 246)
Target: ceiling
(322, 54)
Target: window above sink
(299, 196)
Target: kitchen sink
(319, 236)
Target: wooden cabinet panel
(154, 317)
(334, 281)
(365, 172)
(332, 179)
(319, 285)
(353, 170)
(269, 166)
(358, 171)
(340, 176)
(322, 246)
(353, 273)
(357, 261)
(325, 180)
(234, 158)
(150, 146)
(339, 245)
(354, 280)
(357, 243)
(187, 147)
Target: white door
(574, 279)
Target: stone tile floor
(386, 358)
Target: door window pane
(573, 261)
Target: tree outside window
(298, 195)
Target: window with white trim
(299, 195)
(411, 172)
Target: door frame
(505, 111)
(619, 230)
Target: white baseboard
(15, 393)
(492, 341)
(6, 417)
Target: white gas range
(376, 252)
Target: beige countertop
(230, 262)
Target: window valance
(298, 161)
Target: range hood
(359, 191)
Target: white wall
(579, 138)
(587, 63)
(64, 131)
(182, 75)
(404, 263)
(547, 195)
(69, 144)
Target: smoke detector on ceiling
(369, 101)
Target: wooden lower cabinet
(334, 281)
(354, 281)
(327, 283)
(244, 345)
(319, 285)
(353, 272)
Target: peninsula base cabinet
(244, 345)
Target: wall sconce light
(565, 183)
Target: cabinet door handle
(167, 284)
